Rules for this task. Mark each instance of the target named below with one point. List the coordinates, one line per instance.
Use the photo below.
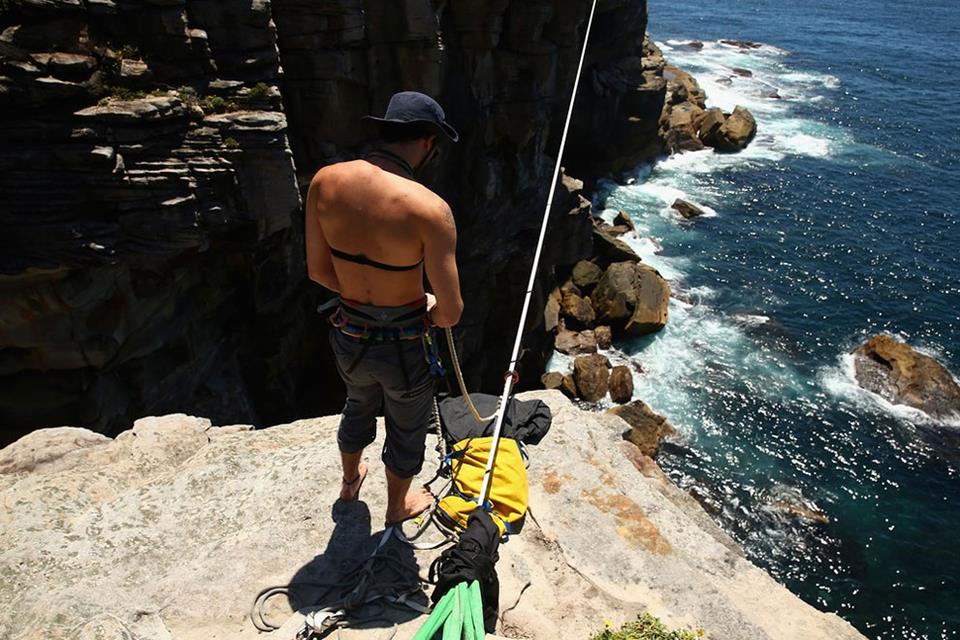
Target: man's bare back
(363, 208)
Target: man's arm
(440, 262)
(319, 261)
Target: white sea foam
(802, 144)
(700, 294)
(699, 348)
(751, 319)
(670, 268)
(715, 46)
(560, 362)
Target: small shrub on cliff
(646, 627)
(216, 104)
(121, 93)
(209, 104)
(258, 92)
(231, 143)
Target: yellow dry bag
(507, 499)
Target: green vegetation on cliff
(647, 627)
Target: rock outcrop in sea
(686, 123)
(171, 529)
(899, 374)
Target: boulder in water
(608, 249)
(632, 299)
(790, 501)
(621, 384)
(682, 124)
(604, 336)
(801, 512)
(742, 44)
(575, 343)
(586, 275)
(687, 209)
(683, 87)
(592, 377)
(577, 309)
(551, 380)
(623, 219)
(899, 374)
(737, 131)
(710, 124)
(647, 427)
(562, 382)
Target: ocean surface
(840, 221)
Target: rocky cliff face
(152, 152)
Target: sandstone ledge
(174, 526)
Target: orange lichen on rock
(633, 525)
(553, 481)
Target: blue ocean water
(839, 222)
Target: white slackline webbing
(508, 383)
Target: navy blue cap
(413, 106)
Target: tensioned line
(508, 383)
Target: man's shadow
(345, 563)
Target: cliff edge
(172, 528)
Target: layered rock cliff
(154, 154)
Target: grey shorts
(392, 377)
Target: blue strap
(433, 356)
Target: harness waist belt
(374, 322)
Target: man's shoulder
(428, 203)
(337, 170)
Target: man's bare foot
(416, 502)
(350, 489)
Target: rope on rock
(463, 385)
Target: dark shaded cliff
(152, 152)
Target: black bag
(526, 421)
(474, 557)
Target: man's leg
(407, 412)
(403, 503)
(354, 472)
(359, 421)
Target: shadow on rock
(353, 569)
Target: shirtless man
(371, 232)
